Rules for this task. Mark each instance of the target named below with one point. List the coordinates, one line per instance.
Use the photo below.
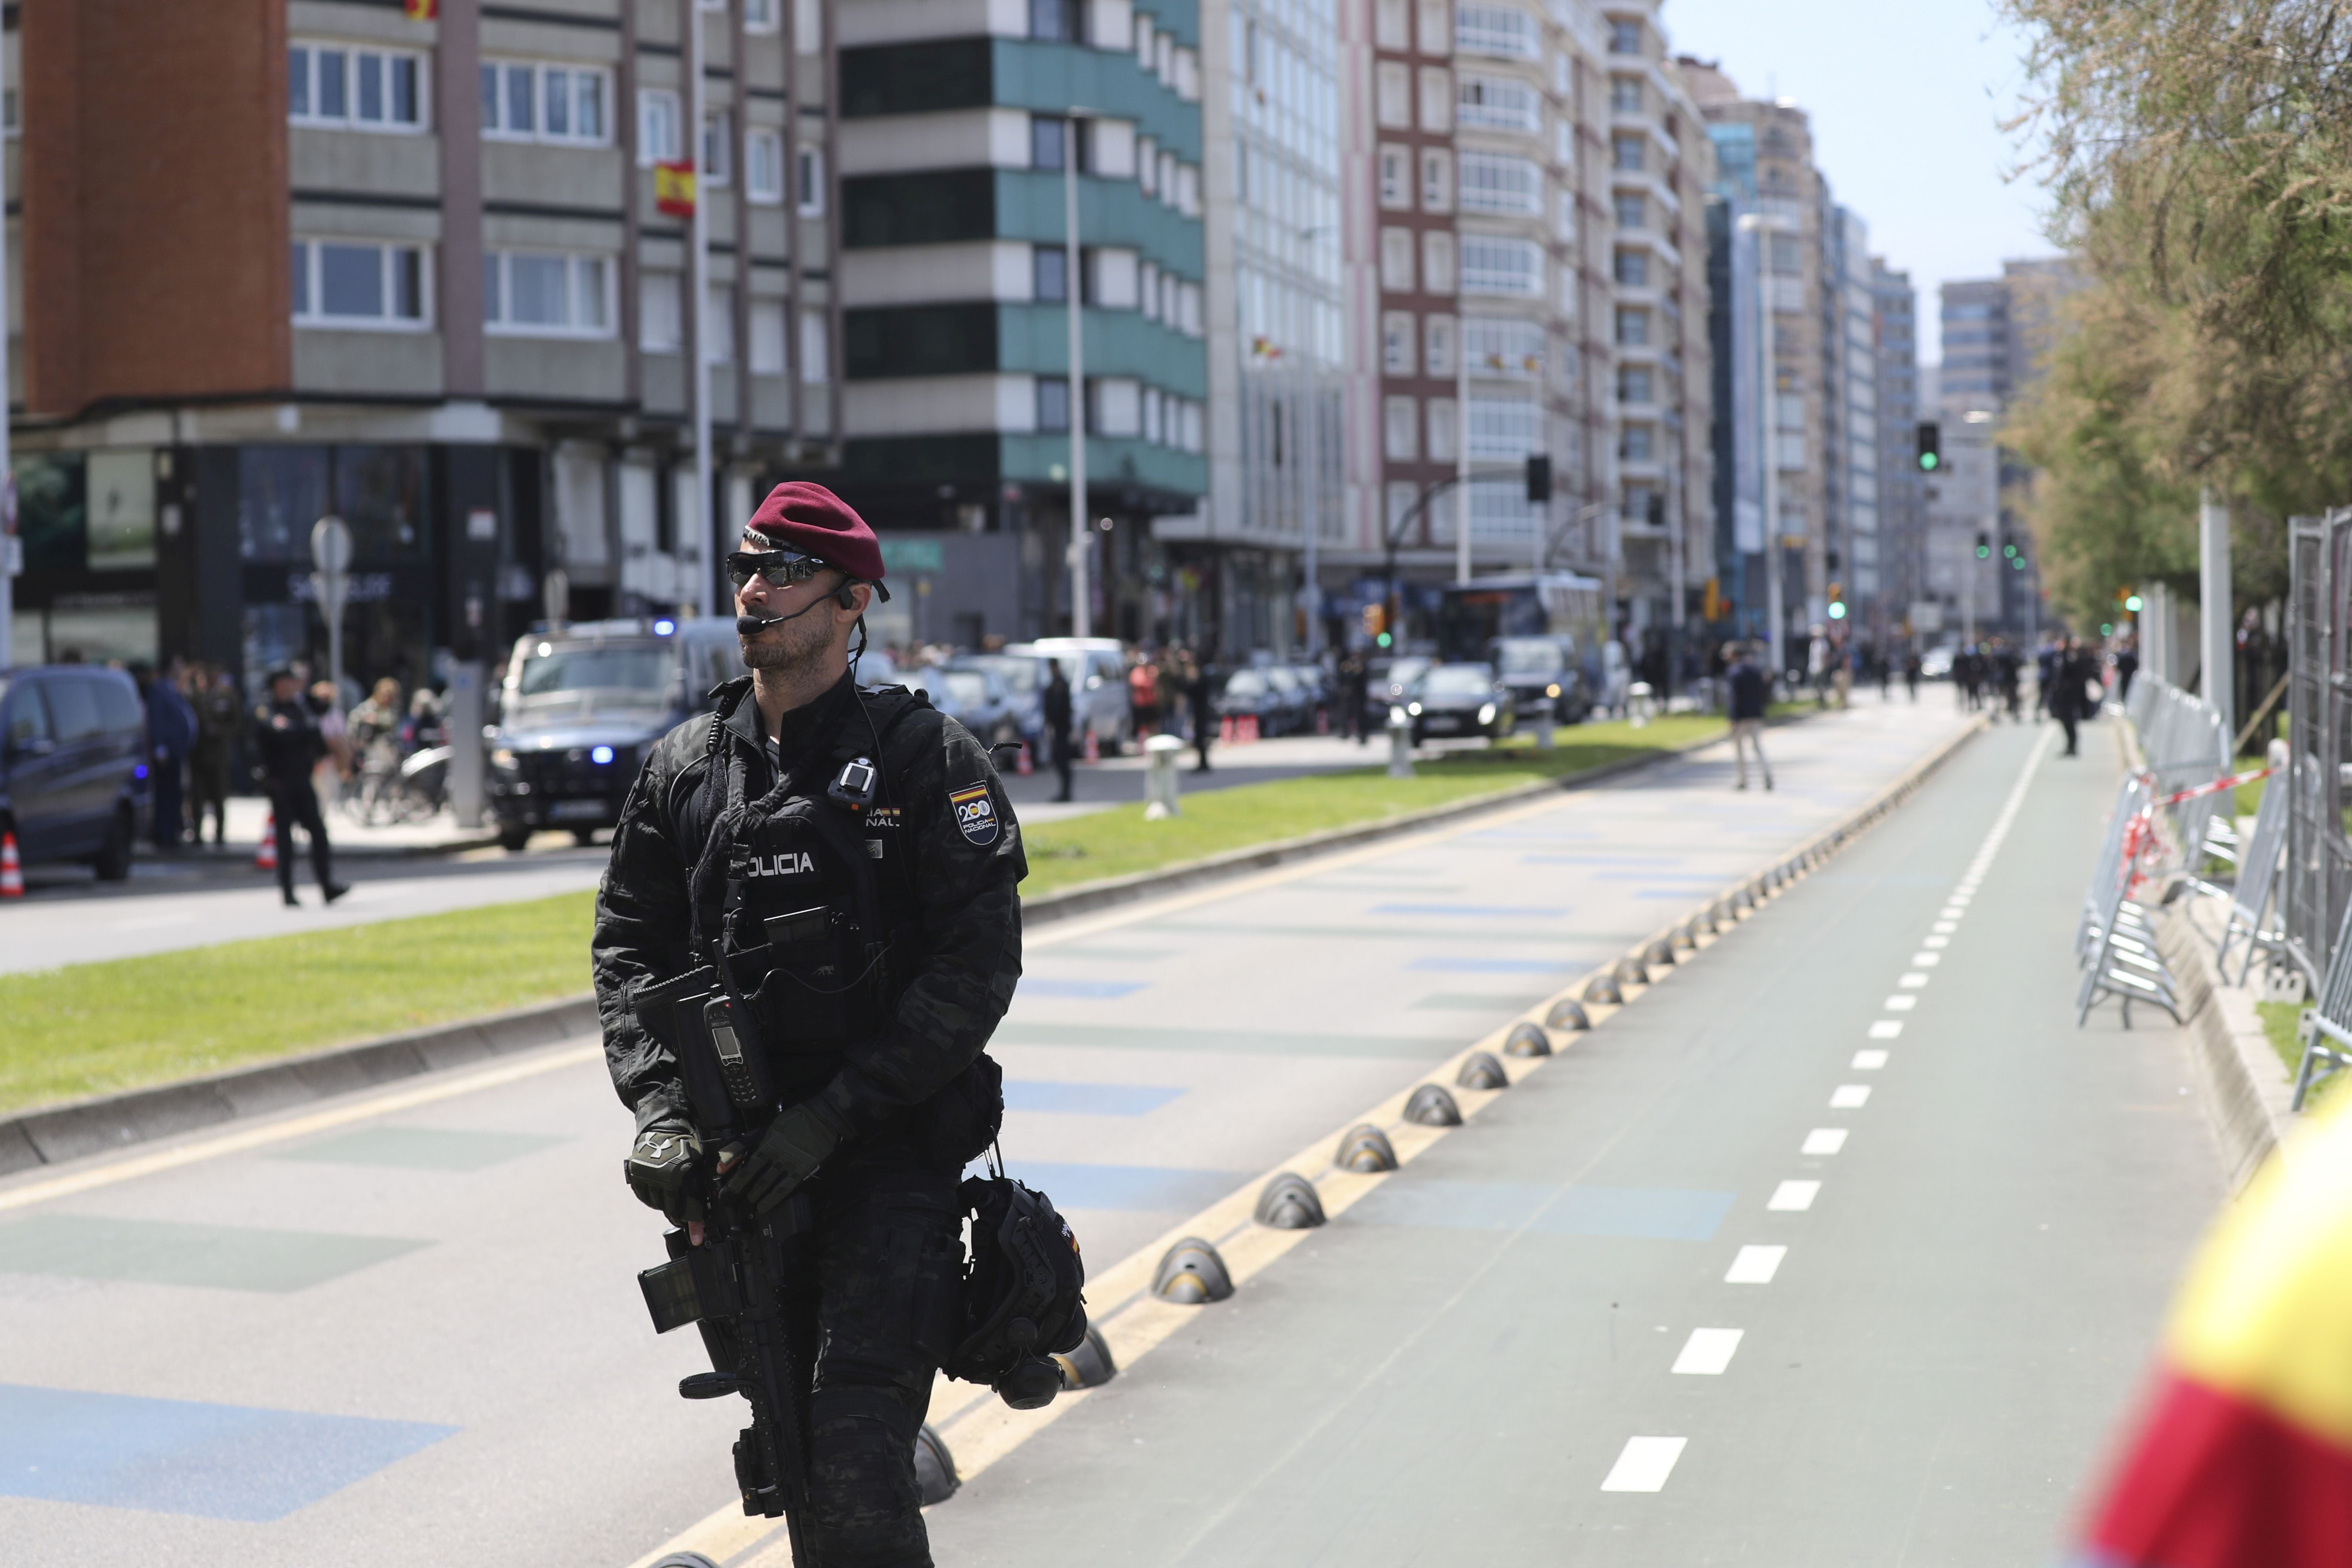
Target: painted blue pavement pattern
(470, 1270)
(173, 1456)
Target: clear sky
(1906, 99)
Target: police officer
(852, 856)
(287, 746)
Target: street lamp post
(1775, 616)
(1461, 449)
(1072, 283)
(705, 597)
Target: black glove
(787, 1154)
(660, 1168)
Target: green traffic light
(1837, 610)
(2106, 630)
(1929, 462)
(2132, 604)
(1384, 639)
(1983, 551)
(2009, 549)
(2019, 562)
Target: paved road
(401, 1331)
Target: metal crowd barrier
(2327, 1023)
(2258, 868)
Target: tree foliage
(2200, 154)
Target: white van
(1096, 668)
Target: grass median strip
(1120, 842)
(94, 1028)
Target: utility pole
(1461, 448)
(1074, 284)
(2213, 598)
(10, 552)
(1767, 396)
(705, 597)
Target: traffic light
(1376, 622)
(1931, 447)
(1837, 601)
(1538, 480)
(2009, 549)
(1984, 545)
(2132, 604)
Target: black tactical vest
(805, 897)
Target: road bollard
(1400, 744)
(1160, 784)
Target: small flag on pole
(674, 189)
(420, 10)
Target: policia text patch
(975, 814)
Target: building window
(1053, 402)
(657, 127)
(1633, 383)
(1148, 286)
(1049, 137)
(1437, 262)
(1396, 343)
(1498, 103)
(1492, 266)
(346, 283)
(1436, 180)
(1788, 258)
(1443, 430)
(1049, 270)
(1626, 154)
(1494, 183)
(1393, 95)
(767, 325)
(816, 349)
(811, 182)
(1498, 347)
(1396, 260)
(1400, 429)
(761, 15)
(764, 166)
(1633, 444)
(1055, 20)
(1390, 30)
(719, 324)
(1625, 95)
(1496, 30)
(719, 149)
(1644, 507)
(1436, 98)
(1624, 37)
(1437, 348)
(548, 294)
(1632, 211)
(1634, 269)
(1396, 187)
(661, 319)
(1436, 28)
(354, 90)
(1502, 429)
(522, 101)
(1634, 328)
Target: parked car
(975, 699)
(73, 742)
(1936, 664)
(580, 707)
(1317, 683)
(1461, 700)
(1544, 676)
(1390, 685)
(1096, 668)
(1294, 701)
(1025, 677)
(1251, 691)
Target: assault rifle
(734, 1285)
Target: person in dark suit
(286, 746)
(2070, 698)
(1058, 725)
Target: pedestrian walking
(287, 747)
(218, 714)
(170, 736)
(1200, 697)
(2005, 676)
(2070, 695)
(1911, 672)
(1355, 688)
(1058, 724)
(1817, 666)
(856, 1038)
(1143, 695)
(2126, 666)
(1748, 690)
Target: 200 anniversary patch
(975, 814)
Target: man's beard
(790, 649)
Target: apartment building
(289, 258)
(1248, 562)
(1659, 546)
(1902, 519)
(1486, 222)
(1850, 451)
(964, 130)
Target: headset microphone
(753, 625)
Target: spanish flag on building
(421, 10)
(674, 189)
(2242, 1458)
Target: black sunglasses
(780, 568)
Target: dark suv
(580, 707)
(72, 764)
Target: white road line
(1888, 1028)
(1959, 900)
(1850, 1097)
(1900, 1004)
(1708, 1352)
(1935, 942)
(1755, 1266)
(1823, 1140)
(1953, 913)
(1913, 981)
(1794, 1197)
(1869, 1061)
(1945, 929)
(1644, 1465)
(1927, 960)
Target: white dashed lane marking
(1794, 1197)
(1901, 1004)
(1823, 1140)
(1708, 1352)
(1644, 1465)
(1886, 1029)
(1850, 1097)
(1755, 1266)
(1869, 1061)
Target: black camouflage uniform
(885, 1260)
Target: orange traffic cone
(11, 870)
(1249, 728)
(1021, 762)
(1094, 748)
(1225, 730)
(266, 858)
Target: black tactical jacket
(965, 876)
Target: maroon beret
(813, 520)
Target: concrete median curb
(2240, 1081)
(53, 1134)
